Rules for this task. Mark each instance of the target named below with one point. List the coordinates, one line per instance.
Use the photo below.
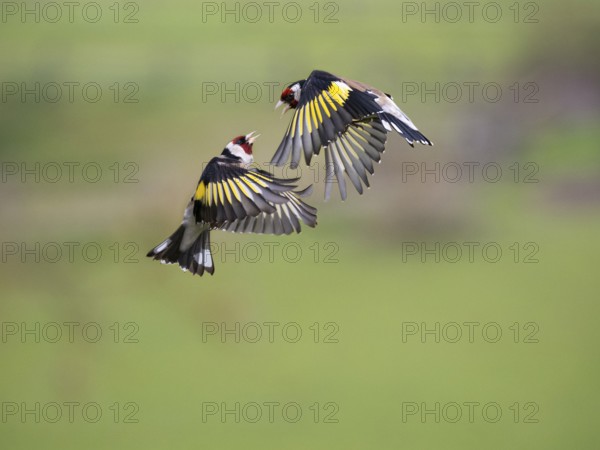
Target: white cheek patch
(297, 91)
(238, 151)
(246, 158)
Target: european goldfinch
(232, 196)
(349, 119)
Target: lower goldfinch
(232, 196)
(347, 118)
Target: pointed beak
(251, 138)
(285, 109)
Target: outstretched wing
(229, 193)
(285, 220)
(353, 154)
(327, 107)
(350, 120)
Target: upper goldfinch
(232, 196)
(349, 119)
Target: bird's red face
(241, 147)
(244, 142)
(290, 96)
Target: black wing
(350, 120)
(285, 220)
(327, 107)
(229, 193)
(353, 154)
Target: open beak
(251, 138)
(279, 103)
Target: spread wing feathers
(353, 154)
(284, 220)
(326, 108)
(226, 193)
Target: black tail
(197, 258)
(410, 134)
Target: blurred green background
(367, 297)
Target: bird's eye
(289, 97)
(240, 141)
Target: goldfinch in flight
(349, 119)
(232, 196)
